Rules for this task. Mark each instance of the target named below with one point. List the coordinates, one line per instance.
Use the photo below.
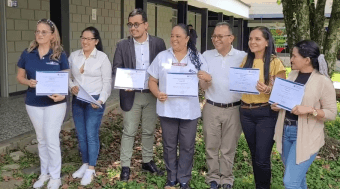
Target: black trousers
(183, 132)
(258, 126)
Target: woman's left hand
(301, 110)
(261, 87)
(95, 106)
(57, 97)
(202, 75)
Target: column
(182, 12)
(204, 30)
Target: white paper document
(286, 93)
(49, 83)
(182, 85)
(243, 80)
(130, 79)
(86, 97)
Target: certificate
(49, 83)
(286, 93)
(86, 97)
(182, 85)
(243, 80)
(130, 79)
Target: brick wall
(21, 23)
(128, 7)
(107, 22)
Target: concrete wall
(21, 23)
(151, 18)
(107, 21)
(164, 23)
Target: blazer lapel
(151, 49)
(132, 52)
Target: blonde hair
(55, 42)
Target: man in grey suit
(137, 52)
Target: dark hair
(268, 54)
(139, 11)
(225, 24)
(190, 25)
(194, 57)
(310, 49)
(96, 35)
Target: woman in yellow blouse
(257, 119)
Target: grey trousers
(143, 107)
(183, 132)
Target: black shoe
(213, 185)
(227, 186)
(170, 183)
(152, 168)
(125, 174)
(184, 186)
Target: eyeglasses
(136, 25)
(42, 32)
(86, 39)
(219, 37)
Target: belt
(221, 105)
(143, 91)
(253, 105)
(290, 122)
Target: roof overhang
(235, 8)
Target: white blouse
(96, 78)
(175, 107)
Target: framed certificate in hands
(182, 85)
(287, 93)
(130, 79)
(49, 83)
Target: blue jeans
(295, 174)
(87, 121)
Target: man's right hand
(75, 90)
(162, 96)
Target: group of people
(298, 134)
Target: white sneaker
(88, 177)
(80, 172)
(54, 184)
(40, 182)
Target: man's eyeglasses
(42, 32)
(86, 39)
(136, 25)
(219, 37)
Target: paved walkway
(14, 120)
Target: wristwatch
(315, 113)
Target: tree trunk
(290, 22)
(318, 34)
(302, 19)
(332, 42)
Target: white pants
(47, 123)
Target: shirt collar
(171, 50)
(37, 52)
(93, 53)
(138, 43)
(231, 52)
